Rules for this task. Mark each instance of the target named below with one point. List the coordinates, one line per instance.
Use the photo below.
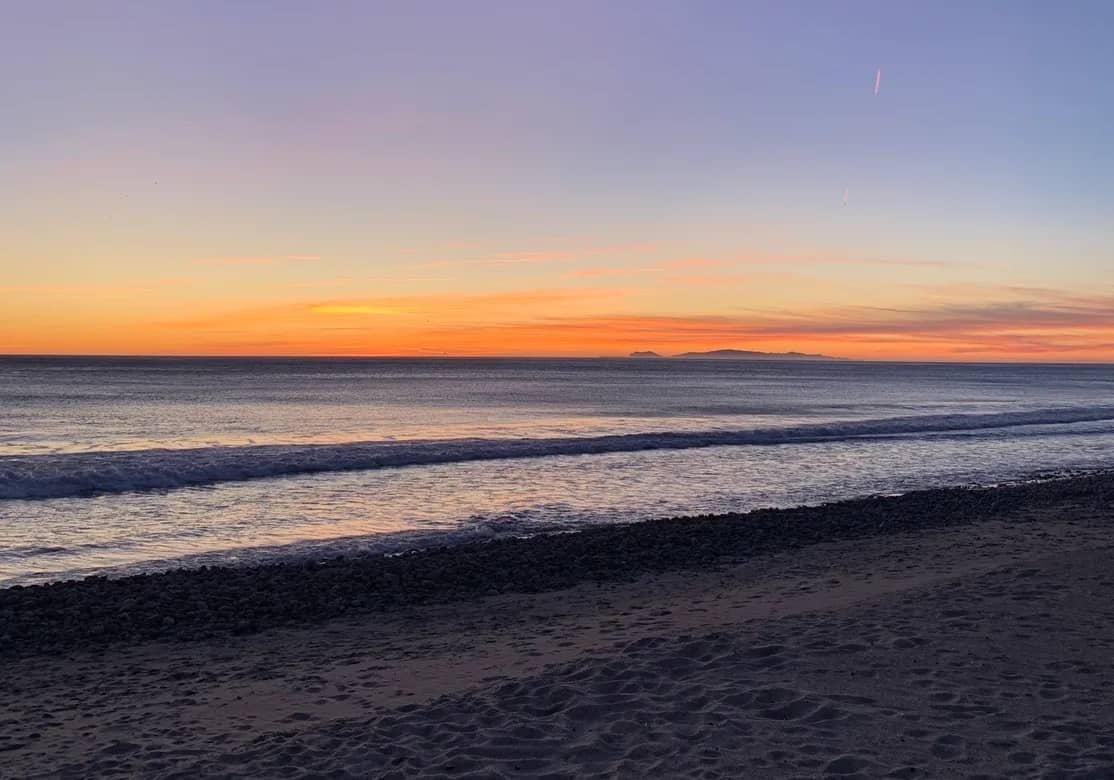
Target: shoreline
(211, 602)
(413, 540)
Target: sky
(558, 178)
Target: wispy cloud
(1076, 326)
(350, 281)
(447, 307)
(351, 308)
(597, 273)
(258, 259)
(744, 259)
(485, 303)
(713, 270)
(122, 287)
(560, 255)
(690, 262)
(717, 279)
(640, 250)
(1066, 312)
(837, 260)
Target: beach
(944, 633)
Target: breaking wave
(85, 473)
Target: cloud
(836, 260)
(701, 272)
(566, 256)
(727, 261)
(570, 255)
(349, 281)
(258, 259)
(595, 273)
(1064, 311)
(447, 307)
(714, 279)
(705, 271)
(356, 308)
(1075, 326)
(104, 288)
(690, 262)
(546, 256)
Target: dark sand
(949, 633)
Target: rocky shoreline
(198, 604)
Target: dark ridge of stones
(191, 604)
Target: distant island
(748, 354)
(738, 354)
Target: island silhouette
(739, 354)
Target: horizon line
(325, 356)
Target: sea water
(137, 464)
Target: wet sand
(941, 634)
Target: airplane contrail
(877, 81)
(846, 194)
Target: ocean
(124, 465)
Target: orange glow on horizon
(357, 329)
(689, 303)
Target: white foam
(84, 473)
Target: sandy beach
(942, 634)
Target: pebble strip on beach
(192, 604)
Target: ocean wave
(86, 473)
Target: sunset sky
(569, 177)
